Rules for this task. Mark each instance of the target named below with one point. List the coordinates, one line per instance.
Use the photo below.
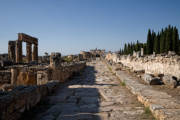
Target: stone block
(170, 81)
(149, 79)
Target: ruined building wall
(151, 64)
(34, 76)
(23, 76)
(20, 99)
(61, 75)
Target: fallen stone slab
(170, 81)
(150, 80)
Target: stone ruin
(92, 54)
(15, 49)
(19, 73)
(157, 69)
(22, 86)
(55, 60)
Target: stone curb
(162, 105)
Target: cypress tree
(137, 46)
(175, 39)
(145, 48)
(157, 44)
(162, 41)
(129, 49)
(149, 42)
(153, 41)
(168, 39)
(132, 48)
(125, 49)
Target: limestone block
(149, 79)
(170, 81)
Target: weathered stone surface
(28, 52)
(37, 75)
(167, 65)
(35, 53)
(18, 51)
(55, 60)
(162, 105)
(170, 81)
(27, 38)
(80, 99)
(15, 102)
(15, 49)
(61, 73)
(149, 79)
(11, 51)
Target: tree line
(161, 42)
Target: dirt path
(97, 94)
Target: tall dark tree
(145, 48)
(153, 37)
(125, 49)
(162, 41)
(175, 40)
(166, 40)
(129, 49)
(149, 42)
(157, 44)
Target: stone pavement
(162, 105)
(97, 94)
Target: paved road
(96, 94)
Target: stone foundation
(20, 99)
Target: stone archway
(16, 56)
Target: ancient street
(95, 94)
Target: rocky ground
(97, 94)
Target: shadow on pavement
(77, 99)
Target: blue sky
(68, 26)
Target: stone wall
(42, 74)
(62, 74)
(14, 102)
(5, 77)
(20, 99)
(24, 76)
(167, 65)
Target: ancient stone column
(18, 51)
(35, 53)
(11, 51)
(142, 51)
(28, 52)
(55, 60)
